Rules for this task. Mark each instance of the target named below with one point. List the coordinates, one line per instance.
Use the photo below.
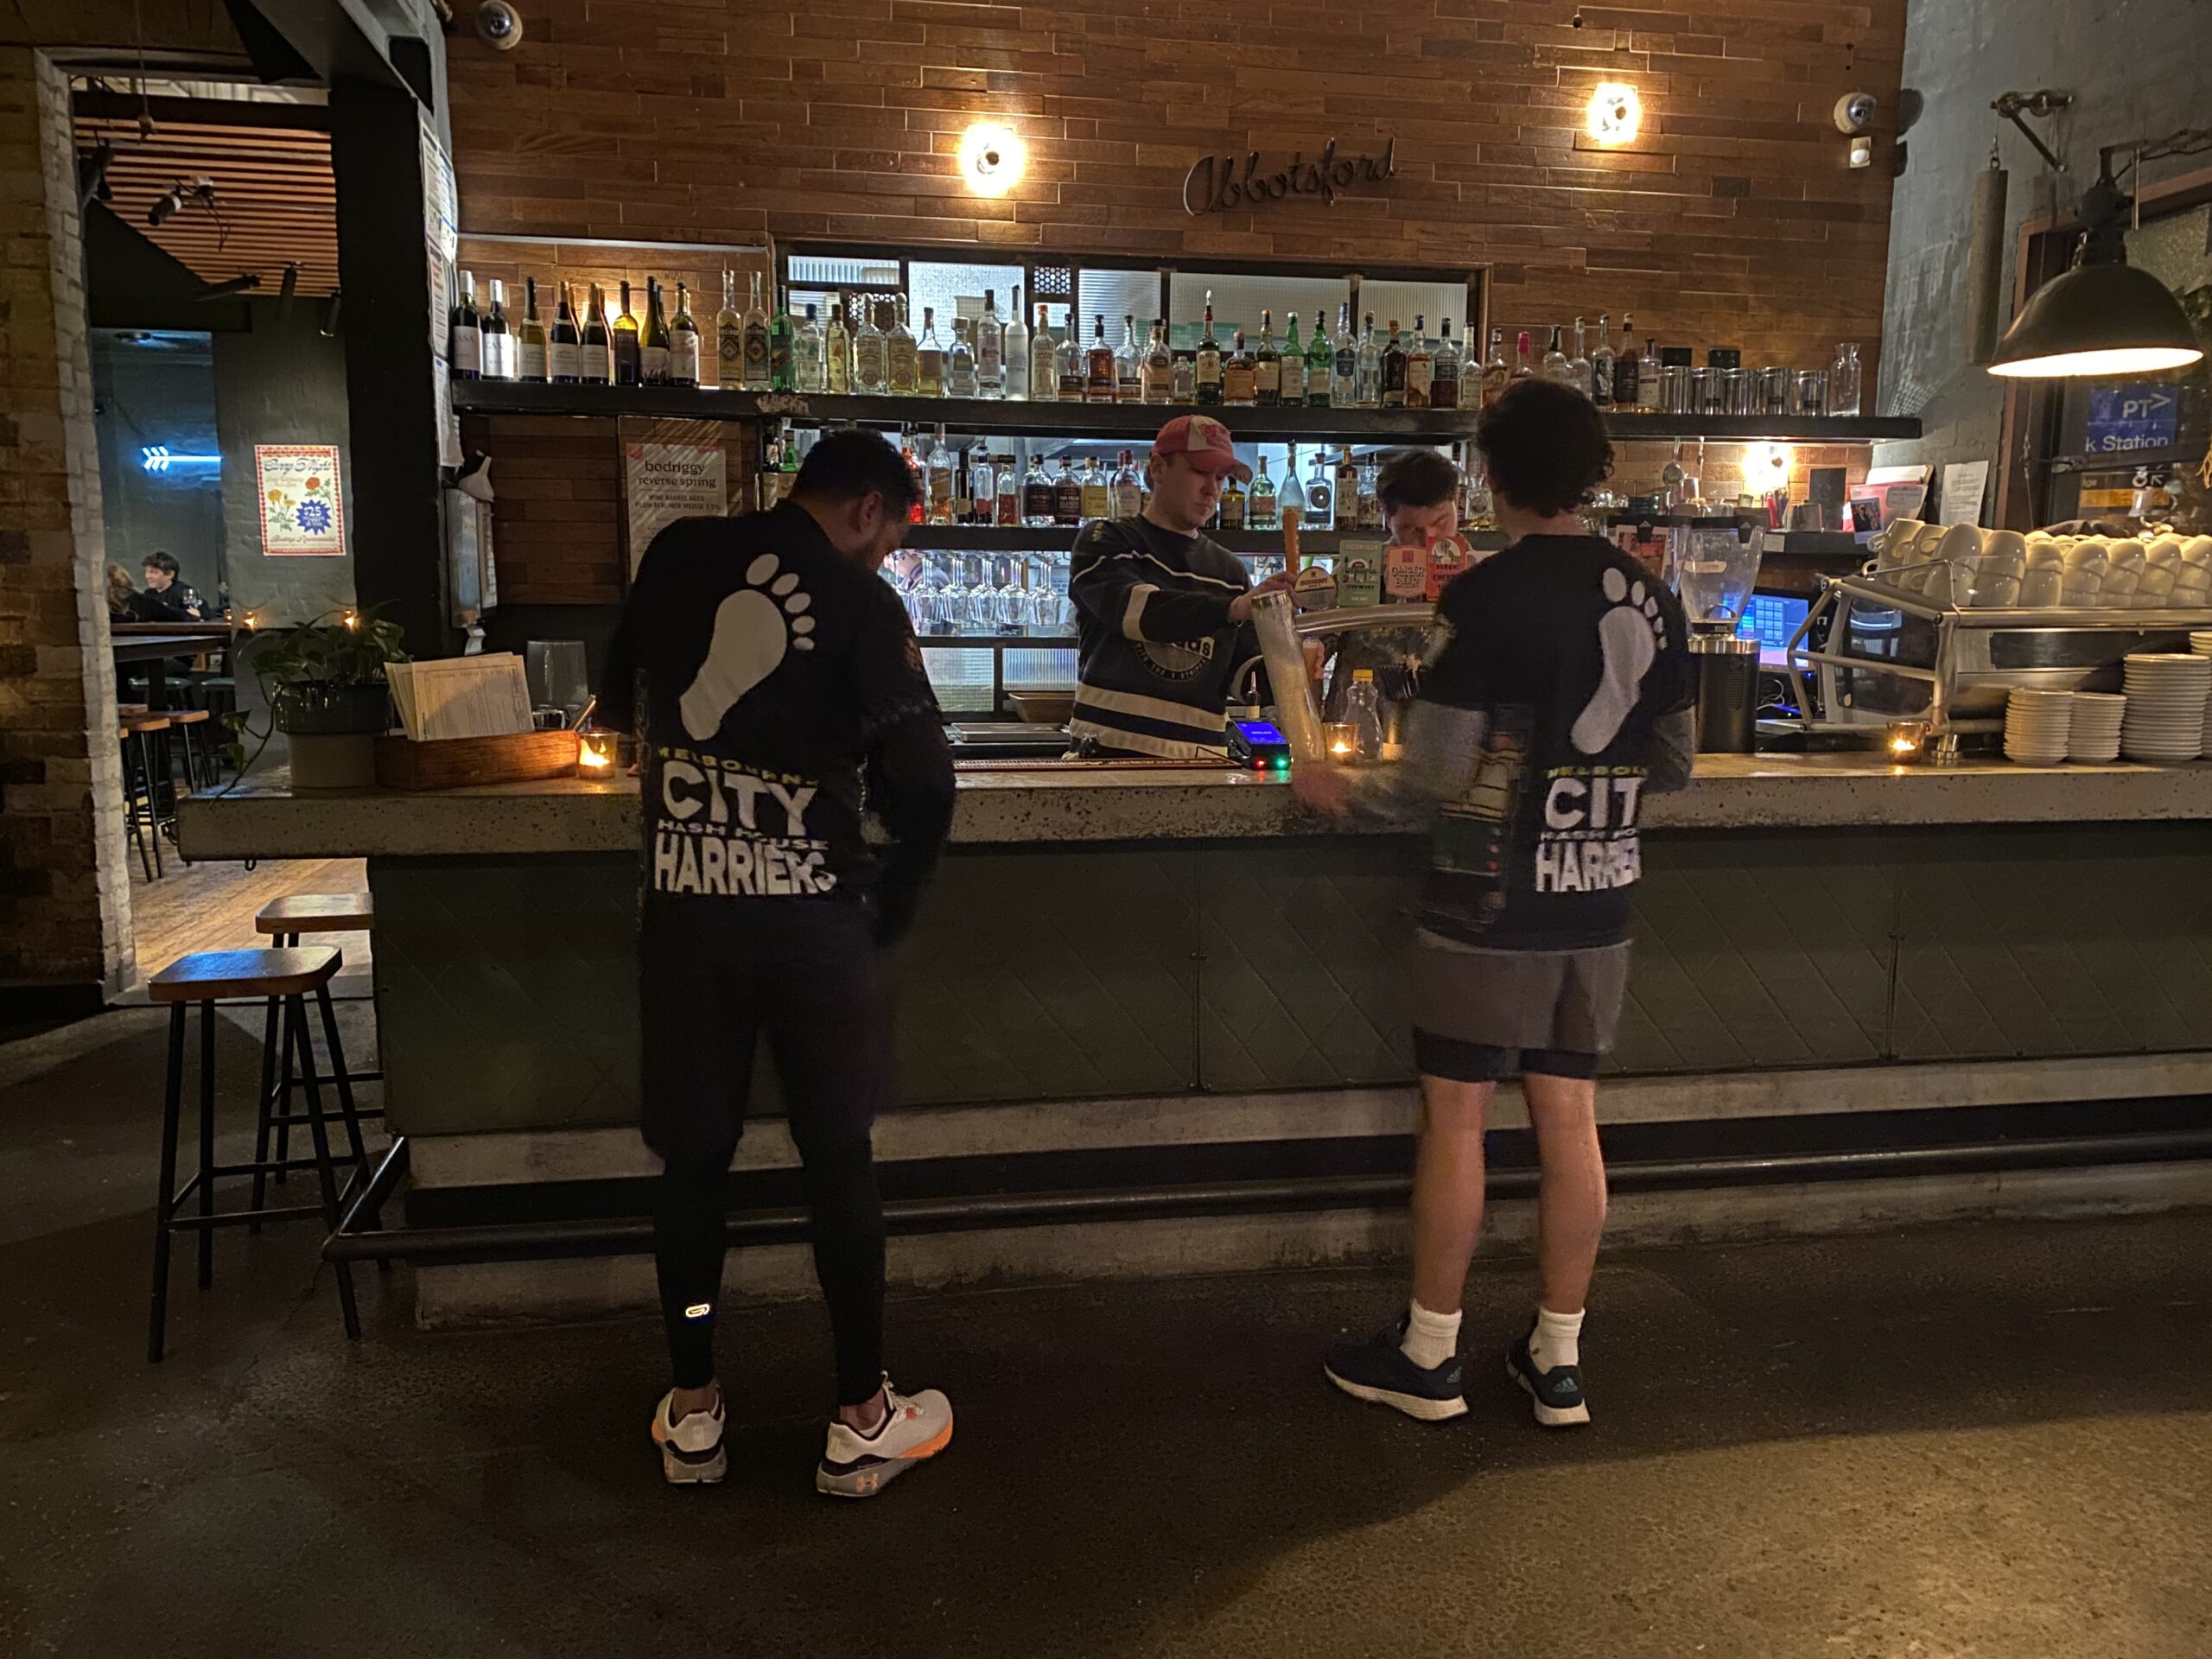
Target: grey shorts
(1565, 1002)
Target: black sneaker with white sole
(1557, 1394)
(1378, 1370)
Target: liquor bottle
(1293, 371)
(1523, 367)
(1394, 370)
(837, 352)
(1232, 501)
(1037, 496)
(729, 336)
(1343, 363)
(1260, 507)
(989, 340)
(596, 359)
(960, 374)
(464, 333)
(1007, 486)
(1239, 382)
(531, 337)
(1321, 363)
(1207, 370)
(809, 366)
(1128, 488)
(1421, 365)
(1628, 368)
(1555, 358)
(498, 340)
(1128, 364)
(1320, 496)
(1044, 361)
(942, 464)
(1267, 365)
(1369, 372)
(684, 341)
(1099, 376)
(982, 489)
(902, 356)
(1067, 496)
(916, 513)
(1156, 375)
(652, 339)
(1347, 488)
(1183, 378)
(1496, 374)
(871, 366)
(563, 347)
(1370, 502)
(928, 356)
(1601, 363)
(1671, 479)
(1290, 495)
(1443, 370)
(1071, 364)
(1097, 490)
(1015, 350)
(756, 342)
(1578, 366)
(783, 370)
(1647, 375)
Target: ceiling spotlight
(225, 290)
(330, 315)
(199, 190)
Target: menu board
(302, 506)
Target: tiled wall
(64, 889)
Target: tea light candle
(599, 751)
(1341, 740)
(1907, 742)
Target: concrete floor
(1992, 1442)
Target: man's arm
(1117, 583)
(910, 763)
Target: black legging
(808, 977)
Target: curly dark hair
(1415, 478)
(1544, 444)
(850, 463)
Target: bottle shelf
(1059, 538)
(994, 418)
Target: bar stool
(200, 756)
(208, 977)
(139, 732)
(283, 920)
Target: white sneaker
(691, 1450)
(915, 1428)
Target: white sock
(1556, 1341)
(1431, 1338)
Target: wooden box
(457, 762)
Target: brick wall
(65, 915)
(1732, 219)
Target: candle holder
(599, 753)
(1906, 742)
(1340, 742)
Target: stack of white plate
(2166, 696)
(2094, 734)
(2038, 724)
(2200, 644)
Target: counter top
(261, 818)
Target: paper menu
(461, 696)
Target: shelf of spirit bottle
(996, 641)
(1251, 423)
(1059, 538)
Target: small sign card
(303, 508)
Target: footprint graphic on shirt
(754, 628)
(1629, 637)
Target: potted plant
(324, 687)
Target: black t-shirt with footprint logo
(1573, 651)
(784, 693)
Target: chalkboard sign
(2122, 418)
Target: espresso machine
(1716, 567)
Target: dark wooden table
(156, 645)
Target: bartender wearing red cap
(1164, 614)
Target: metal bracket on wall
(2042, 104)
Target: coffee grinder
(1716, 567)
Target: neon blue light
(158, 458)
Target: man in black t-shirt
(1562, 696)
(785, 697)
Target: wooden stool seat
(127, 708)
(133, 724)
(316, 912)
(225, 976)
(186, 717)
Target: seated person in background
(166, 598)
(122, 597)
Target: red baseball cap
(1203, 441)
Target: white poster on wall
(667, 481)
(1964, 481)
(302, 506)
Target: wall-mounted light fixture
(1615, 113)
(992, 158)
(160, 458)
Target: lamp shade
(2098, 319)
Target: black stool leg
(130, 812)
(153, 799)
(261, 1130)
(335, 1052)
(284, 1087)
(164, 1197)
(296, 1013)
(207, 1142)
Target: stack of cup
(2200, 644)
(2037, 726)
(2166, 697)
(2094, 734)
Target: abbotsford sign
(1216, 184)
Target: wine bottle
(563, 356)
(531, 336)
(627, 355)
(652, 339)
(464, 333)
(684, 342)
(1267, 365)
(597, 357)
(498, 340)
